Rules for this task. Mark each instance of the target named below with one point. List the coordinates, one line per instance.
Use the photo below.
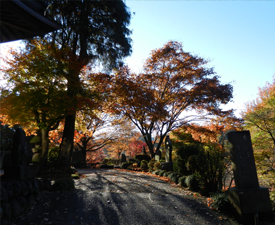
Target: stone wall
(17, 197)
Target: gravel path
(125, 198)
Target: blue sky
(237, 36)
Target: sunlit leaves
(259, 117)
(35, 85)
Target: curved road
(116, 197)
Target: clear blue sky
(237, 36)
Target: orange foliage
(211, 131)
(174, 81)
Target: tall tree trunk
(85, 141)
(148, 141)
(44, 145)
(66, 146)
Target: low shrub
(192, 182)
(125, 165)
(182, 155)
(166, 173)
(161, 173)
(156, 172)
(143, 157)
(105, 166)
(151, 165)
(133, 160)
(182, 181)
(63, 184)
(221, 202)
(52, 156)
(106, 161)
(144, 165)
(75, 176)
(109, 161)
(166, 166)
(157, 166)
(173, 177)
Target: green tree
(259, 117)
(173, 82)
(94, 31)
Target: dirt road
(112, 197)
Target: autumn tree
(93, 31)
(174, 84)
(259, 117)
(96, 129)
(125, 135)
(135, 146)
(34, 95)
(96, 157)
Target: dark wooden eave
(23, 20)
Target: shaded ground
(119, 197)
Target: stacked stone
(18, 196)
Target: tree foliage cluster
(47, 80)
(259, 118)
(200, 151)
(52, 88)
(174, 89)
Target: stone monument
(168, 150)
(21, 158)
(247, 197)
(168, 165)
(123, 158)
(21, 152)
